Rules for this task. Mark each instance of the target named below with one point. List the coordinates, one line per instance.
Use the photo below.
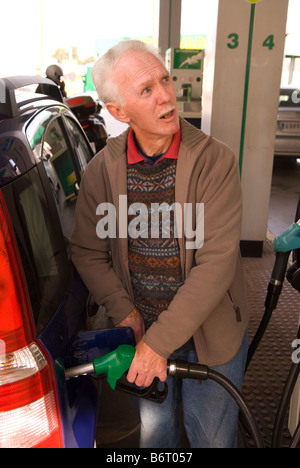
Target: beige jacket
(211, 304)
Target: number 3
(234, 41)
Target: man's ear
(117, 112)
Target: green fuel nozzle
(289, 240)
(113, 364)
(283, 245)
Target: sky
(67, 23)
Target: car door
(57, 295)
(62, 153)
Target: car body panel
(38, 131)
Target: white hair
(102, 71)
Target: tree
(61, 54)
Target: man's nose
(163, 94)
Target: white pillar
(169, 24)
(242, 74)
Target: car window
(42, 250)
(60, 159)
(82, 149)
(64, 152)
(11, 159)
(64, 165)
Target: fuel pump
(186, 68)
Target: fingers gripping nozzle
(114, 365)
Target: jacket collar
(191, 137)
(193, 142)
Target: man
(183, 296)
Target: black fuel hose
(295, 443)
(274, 291)
(183, 369)
(284, 404)
(259, 335)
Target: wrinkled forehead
(136, 67)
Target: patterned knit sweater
(154, 260)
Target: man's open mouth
(167, 114)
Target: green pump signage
(188, 59)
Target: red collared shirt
(133, 155)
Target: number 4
(269, 42)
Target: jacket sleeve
(214, 264)
(91, 253)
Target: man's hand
(136, 322)
(146, 365)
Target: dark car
(44, 305)
(287, 140)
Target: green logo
(188, 59)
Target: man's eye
(166, 79)
(146, 91)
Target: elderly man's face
(149, 95)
